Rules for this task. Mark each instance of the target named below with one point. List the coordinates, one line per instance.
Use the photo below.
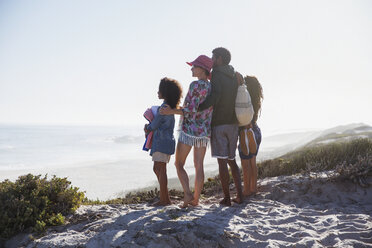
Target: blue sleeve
(155, 122)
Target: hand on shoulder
(165, 110)
(239, 78)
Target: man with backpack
(224, 122)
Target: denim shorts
(224, 141)
(253, 143)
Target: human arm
(239, 78)
(213, 97)
(155, 123)
(145, 129)
(167, 110)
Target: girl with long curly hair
(252, 133)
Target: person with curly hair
(163, 142)
(252, 133)
(195, 128)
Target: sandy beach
(300, 211)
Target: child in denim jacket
(163, 142)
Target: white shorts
(160, 157)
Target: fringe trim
(193, 140)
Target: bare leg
(156, 170)
(246, 174)
(237, 181)
(250, 176)
(160, 170)
(225, 178)
(182, 151)
(254, 174)
(199, 153)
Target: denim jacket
(163, 139)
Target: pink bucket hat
(202, 61)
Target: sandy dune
(289, 211)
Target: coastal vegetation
(347, 160)
(34, 202)
(322, 157)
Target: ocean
(105, 162)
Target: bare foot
(186, 200)
(194, 203)
(226, 201)
(237, 200)
(162, 203)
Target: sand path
(289, 211)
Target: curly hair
(171, 91)
(255, 91)
(223, 53)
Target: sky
(100, 62)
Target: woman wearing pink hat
(195, 128)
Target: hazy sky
(100, 62)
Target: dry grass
(316, 158)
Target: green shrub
(316, 158)
(32, 201)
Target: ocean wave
(98, 140)
(6, 147)
(114, 139)
(13, 167)
(128, 139)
